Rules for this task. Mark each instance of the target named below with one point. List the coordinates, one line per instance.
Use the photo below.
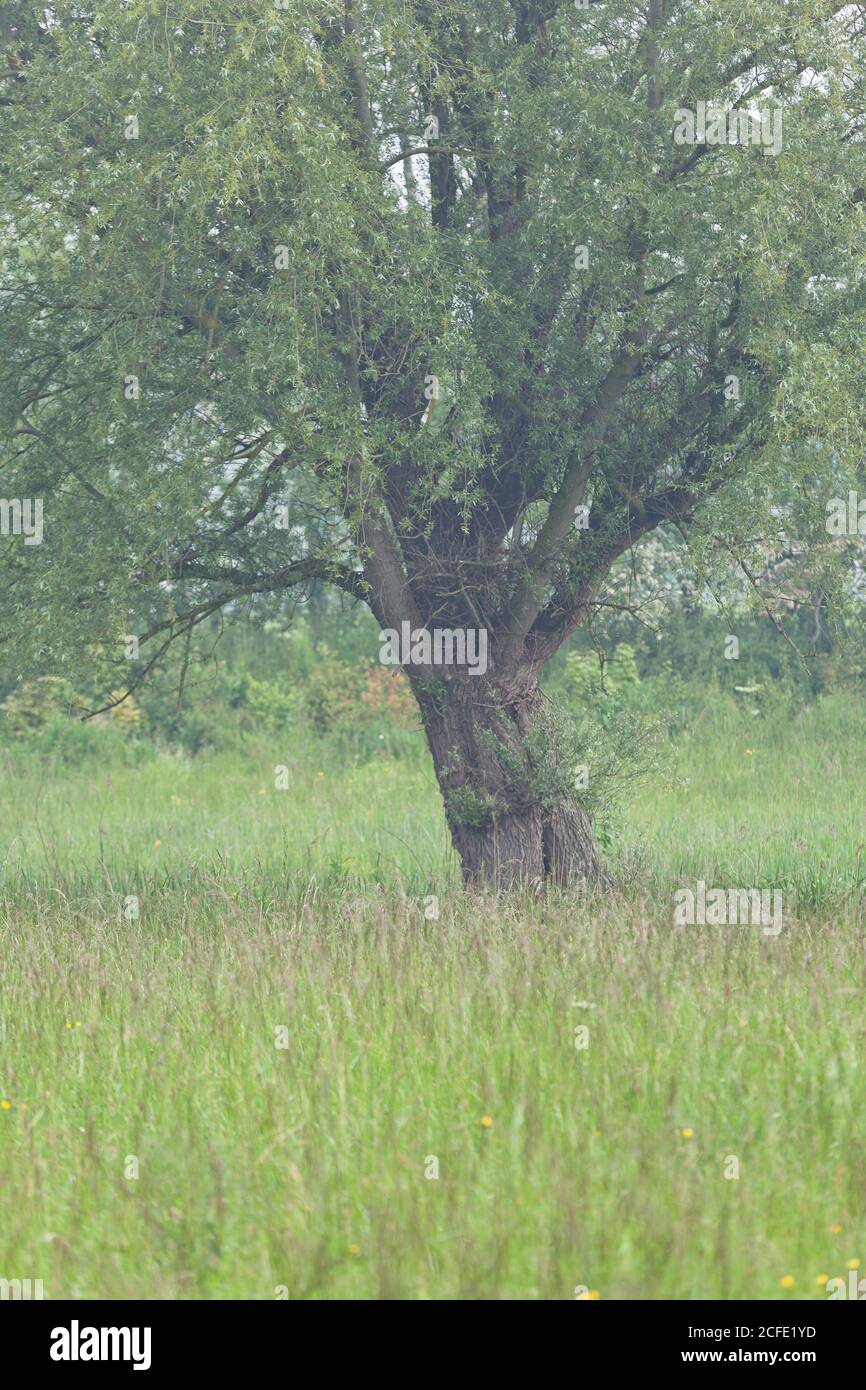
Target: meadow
(305, 1065)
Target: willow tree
(446, 304)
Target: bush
(334, 691)
(270, 708)
(387, 695)
(37, 703)
(584, 673)
(125, 717)
(72, 742)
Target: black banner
(153, 1339)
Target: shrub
(387, 694)
(334, 691)
(270, 707)
(584, 673)
(37, 703)
(72, 742)
(125, 717)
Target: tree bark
(571, 853)
(513, 818)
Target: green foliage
(271, 708)
(333, 692)
(124, 713)
(72, 743)
(35, 704)
(471, 806)
(221, 304)
(622, 750)
(588, 678)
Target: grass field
(149, 1045)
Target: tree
(447, 304)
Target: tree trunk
(508, 793)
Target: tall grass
(306, 1166)
(148, 1044)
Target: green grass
(778, 802)
(261, 1167)
(178, 820)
